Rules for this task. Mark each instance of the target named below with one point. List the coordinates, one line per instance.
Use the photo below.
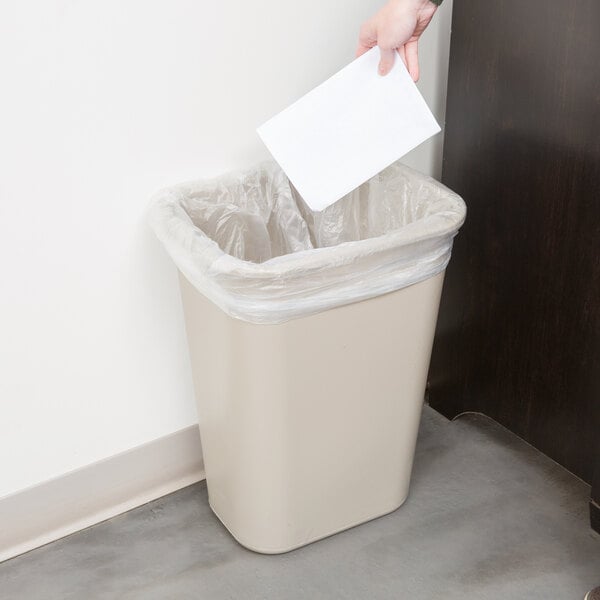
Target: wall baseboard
(53, 509)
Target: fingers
(402, 54)
(367, 38)
(397, 25)
(361, 49)
(411, 51)
(409, 56)
(386, 61)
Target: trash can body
(310, 336)
(308, 427)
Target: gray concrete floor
(488, 517)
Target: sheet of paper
(348, 129)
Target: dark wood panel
(519, 330)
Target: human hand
(397, 27)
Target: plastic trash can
(310, 336)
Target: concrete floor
(488, 518)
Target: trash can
(310, 336)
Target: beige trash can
(310, 359)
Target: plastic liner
(250, 244)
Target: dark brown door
(519, 330)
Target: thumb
(386, 61)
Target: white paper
(348, 129)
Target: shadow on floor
(488, 518)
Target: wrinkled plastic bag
(250, 244)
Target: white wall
(101, 104)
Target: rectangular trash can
(310, 377)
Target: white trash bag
(250, 244)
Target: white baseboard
(53, 509)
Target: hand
(397, 27)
